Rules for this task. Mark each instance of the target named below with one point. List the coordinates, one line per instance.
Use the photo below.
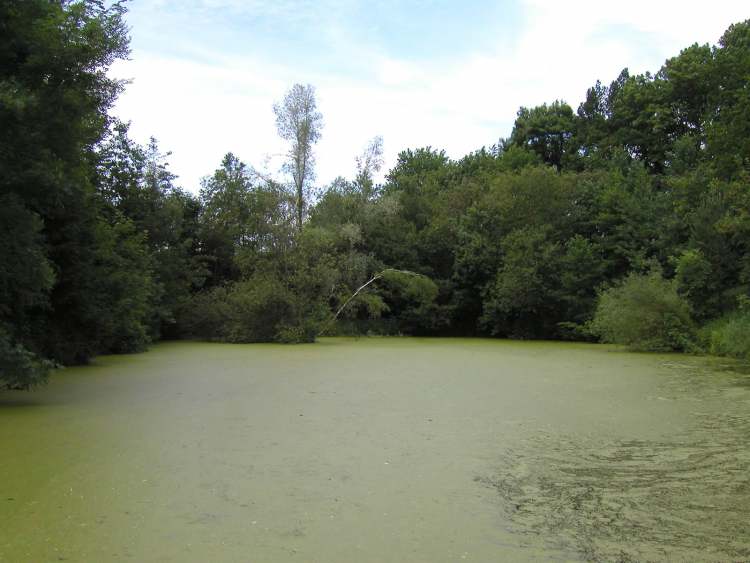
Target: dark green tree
(550, 132)
(54, 97)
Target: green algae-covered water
(379, 450)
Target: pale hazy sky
(205, 73)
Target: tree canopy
(578, 226)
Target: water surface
(379, 450)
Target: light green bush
(729, 335)
(646, 313)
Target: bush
(19, 367)
(729, 335)
(261, 309)
(646, 313)
(413, 297)
(258, 308)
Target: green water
(379, 450)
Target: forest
(625, 220)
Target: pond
(380, 449)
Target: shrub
(729, 335)
(19, 367)
(646, 313)
(413, 297)
(257, 309)
(260, 309)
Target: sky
(204, 74)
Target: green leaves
(645, 312)
(548, 131)
(55, 94)
(19, 367)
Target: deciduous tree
(299, 122)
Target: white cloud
(201, 110)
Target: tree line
(626, 220)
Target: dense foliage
(646, 313)
(554, 232)
(729, 335)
